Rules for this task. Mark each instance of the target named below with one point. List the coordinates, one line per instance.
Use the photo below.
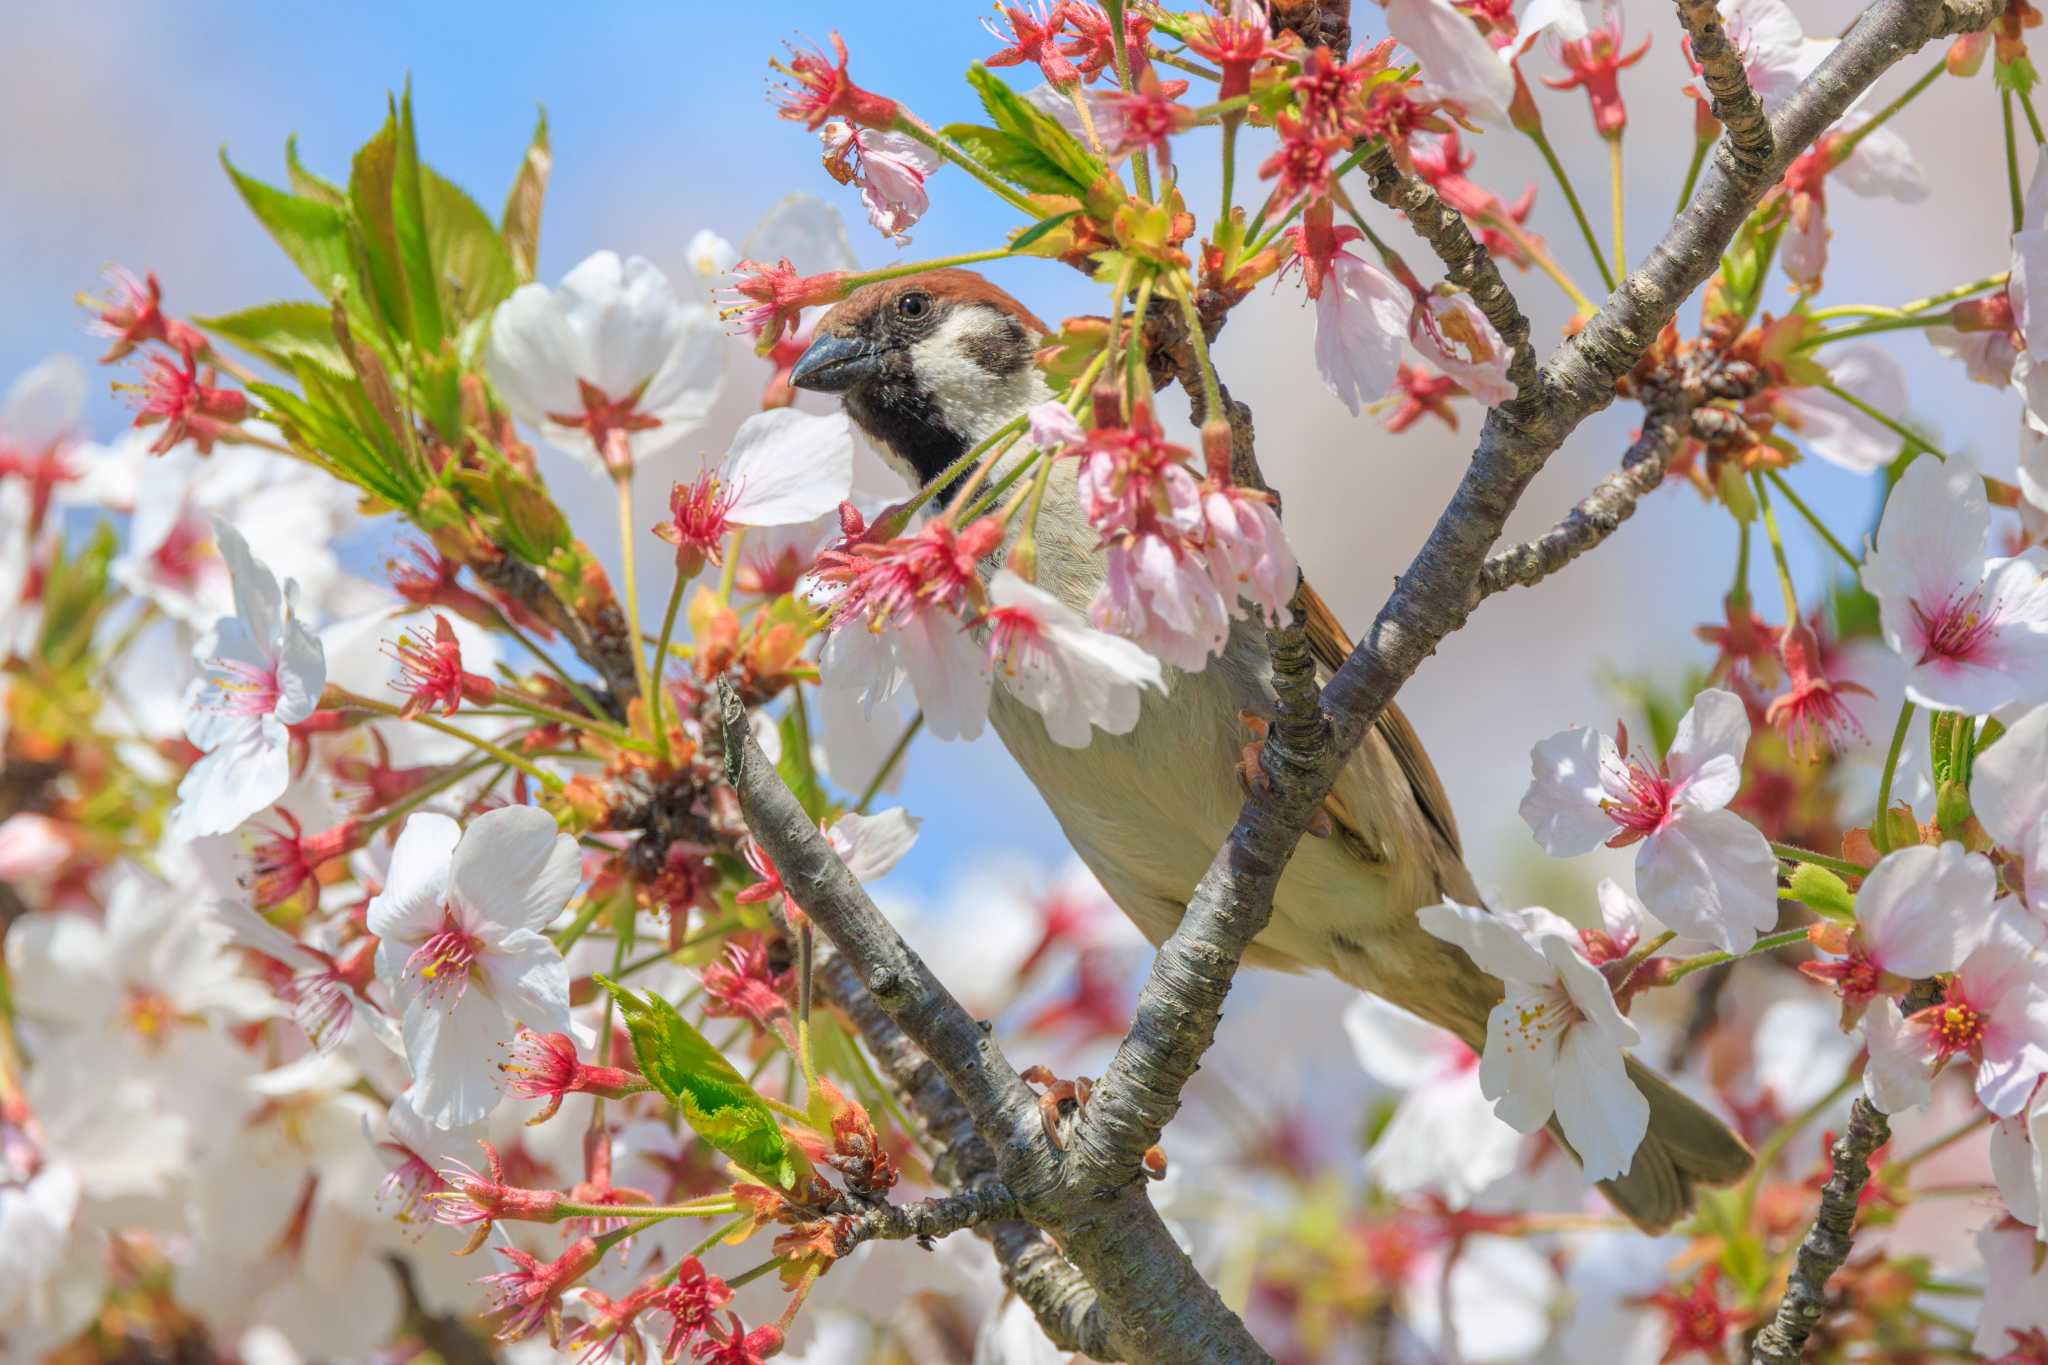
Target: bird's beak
(835, 364)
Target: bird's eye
(914, 305)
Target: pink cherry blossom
(1700, 868)
(1920, 912)
(1443, 1137)
(2009, 793)
(890, 169)
(1993, 1014)
(1972, 629)
(1836, 430)
(1450, 330)
(1078, 678)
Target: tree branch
(1182, 999)
(1827, 1242)
(1158, 1308)
(1735, 104)
(939, 1216)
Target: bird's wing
(1331, 646)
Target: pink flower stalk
(776, 296)
(697, 524)
(613, 1322)
(544, 1066)
(134, 316)
(890, 169)
(1318, 241)
(1300, 168)
(181, 398)
(428, 578)
(744, 986)
(1595, 63)
(410, 1186)
(1133, 480)
(1237, 42)
(737, 1346)
(431, 673)
(288, 859)
(692, 1304)
(1442, 162)
(1812, 712)
(1033, 27)
(1420, 393)
(1143, 117)
(819, 89)
(477, 1201)
(529, 1295)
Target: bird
(931, 364)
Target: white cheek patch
(974, 401)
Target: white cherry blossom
(1993, 1015)
(262, 671)
(609, 365)
(1836, 430)
(2009, 793)
(1554, 1044)
(1443, 1137)
(890, 169)
(1972, 628)
(1362, 316)
(2019, 1163)
(1700, 868)
(1076, 677)
(459, 926)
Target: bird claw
(1252, 778)
(1057, 1092)
(1320, 825)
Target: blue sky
(661, 126)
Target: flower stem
(1136, 380)
(668, 626)
(706, 1208)
(576, 928)
(344, 700)
(1615, 196)
(1770, 520)
(2026, 100)
(515, 701)
(1881, 117)
(628, 580)
(1540, 254)
(1961, 291)
(952, 152)
(1774, 1145)
(1230, 127)
(433, 788)
(1888, 423)
(2012, 165)
(1793, 853)
(1864, 329)
(1769, 943)
(897, 272)
(747, 1277)
(575, 689)
(1692, 173)
(1212, 392)
(1820, 529)
(1880, 828)
(895, 756)
(1571, 197)
(903, 514)
(1980, 1119)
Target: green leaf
(74, 594)
(795, 766)
(1015, 161)
(307, 185)
(713, 1097)
(521, 223)
(279, 332)
(471, 265)
(1822, 892)
(409, 232)
(369, 197)
(1040, 229)
(1021, 120)
(313, 234)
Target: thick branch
(1182, 998)
(1735, 104)
(1158, 1307)
(1827, 1242)
(1031, 1265)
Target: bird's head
(927, 365)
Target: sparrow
(928, 366)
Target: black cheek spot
(1003, 351)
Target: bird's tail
(1686, 1147)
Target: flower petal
(1923, 910)
(1562, 806)
(787, 467)
(452, 1051)
(1710, 874)
(529, 980)
(410, 907)
(1707, 749)
(514, 868)
(1603, 1115)
(1492, 945)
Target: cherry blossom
(609, 365)
(1595, 63)
(1443, 1136)
(458, 924)
(180, 396)
(1362, 312)
(134, 316)
(1700, 868)
(1450, 330)
(820, 89)
(2019, 1164)
(890, 169)
(262, 670)
(1920, 912)
(1972, 630)
(784, 468)
(2015, 1289)
(1836, 430)
(2028, 266)
(1776, 53)
(1555, 1044)
(1993, 1012)
(1457, 61)
(1878, 164)
(1076, 677)
(2009, 793)
(1246, 549)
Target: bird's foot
(1056, 1093)
(1252, 777)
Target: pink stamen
(1647, 806)
(244, 689)
(443, 962)
(1956, 629)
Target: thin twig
(1828, 1241)
(1735, 104)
